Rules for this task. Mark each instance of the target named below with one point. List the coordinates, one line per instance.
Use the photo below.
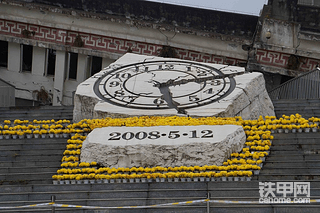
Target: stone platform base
(162, 145)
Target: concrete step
(296, 100)
(308, 154)
(287, 106)
(136, 192)
(36, 114)
(36, 107)
(113, 191)
(159, 193)
(32, 117)
(305, 108)
(35, 110)
(287, 177)
(35, 163)
(19, 147)
(31, 152)
(295, 104)
(35, 141)
(291, 164)
(47, 113)
(44, 116)
(294, 147)
(297, 141)
(298, 157)
(216, 185)
(299, 107)
(297, 170)
(287, 103)
(305, 114)
(12, 170)
(27, 178)
(40, 117)
(31, 111)
(303, 135)
(291, 152)
(38, 157)
(46, 196)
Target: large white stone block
(162, 145)
(121, 90)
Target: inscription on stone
(160, 135)
(162, 145)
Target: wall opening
(96, 65)
(72, 65)
(3, 54)
(26, 56)
(309, 2)
(51, 61)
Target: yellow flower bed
(256, 148)
(35, 127)
(72, 169)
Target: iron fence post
(208, 203)
(53, 200)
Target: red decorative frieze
(277, 59)
(272, 58)
(91, 41)
(208, 58)
(309, 64)
(103, 43)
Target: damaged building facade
(48, 47)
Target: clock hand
(167, 96)
(172, 82)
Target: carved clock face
(155, 85)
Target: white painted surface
(14, 57)
(27, 82)
(39, 61)
(82, 68)
(59, 77)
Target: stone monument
(162, 145)
(137, 85)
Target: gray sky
(252, 7)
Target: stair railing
(306, 86)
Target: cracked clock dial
(155, 85)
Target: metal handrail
(306, 86)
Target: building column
(82, 68)
(59, 78)
(14, 57)
(38, 61)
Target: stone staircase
(38, 113)
(30, 161)
(293, 156)
(27, 166)
(307, 108)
